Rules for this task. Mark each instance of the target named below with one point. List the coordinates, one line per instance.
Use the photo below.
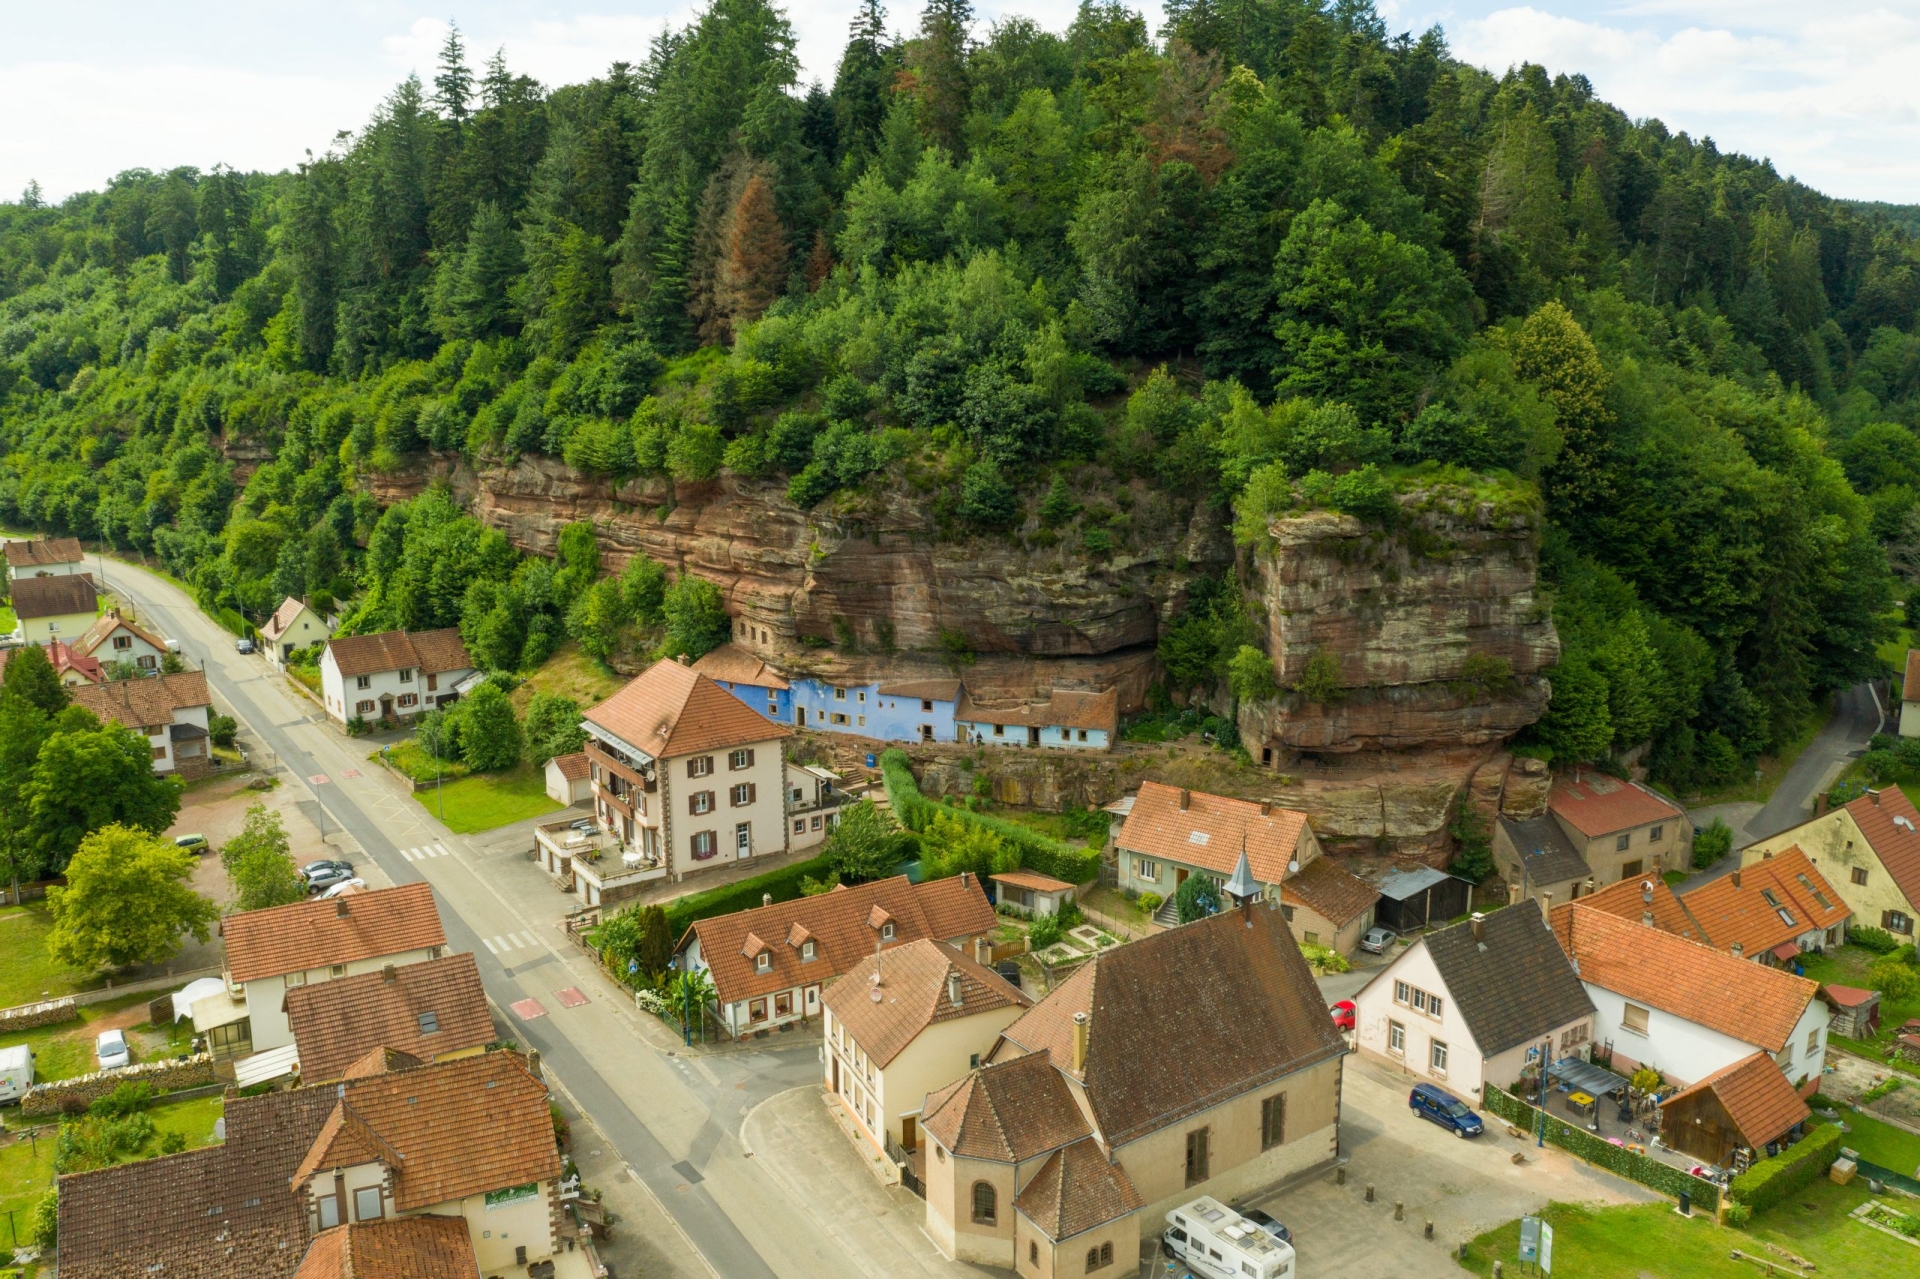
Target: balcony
(593, 863)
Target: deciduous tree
(127, 900)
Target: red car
(1343, 1015)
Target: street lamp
(432, 728)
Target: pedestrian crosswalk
(425, 851)
(507, 943)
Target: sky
(89, 88)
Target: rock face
(1435, 629)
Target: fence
(1898, 1180)
(1597, 1151)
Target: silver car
(1378, 939)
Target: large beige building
(1869, 851)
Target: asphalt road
(673, 1118)
(1855, 721)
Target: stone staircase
(1168, 916)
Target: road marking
(514, 939)
(351, 772)
(491, 948)
(440, 851)
(318, 779)
(570, 997)
(528, 1009)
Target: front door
(386, 706)
(1033, 737)
(1179, 877)
(909, 1133)
(813, 1001)
(800, 716)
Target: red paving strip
(570, 997)
(318, 779)
(351, 772)
(528, 1009)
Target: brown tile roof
(1847, 996)
(732, 664)
(51, 550)
(838, 923)
(1910, 685)
(1248, 1012)
(915, 993)
(315, 934)
(1595, 804)
(572, 767)
(1007, 1111)
(1031, 879)
(431, 651)
(1077, 1189)
(380, 1061)
(283, 617)
(1332, 892)
(1734, 909)
(64, 658)
(109, 622)
(672, 710)
(220, 1212)
(935, 690)
(138, 703)
(1737, 997)
(1888, 820)
(344, 1140)
(1755, 1095)
(54, 596)
(1634, 899)
(424, 1247)
(335, 1023)
(1064, 708)
(1209, 831)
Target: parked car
(193, 843)
(110, 1050)
(344, 887)
(1343, 1015)
(1377, 940)
(16, 1072)
(243, 646)
(326, 873)
(1266, 1222)
(1432, 1102)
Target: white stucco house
(1686, 1009)
(114, 637)
(172, 711)
(44, 557)
(294, 625)
(392, 675)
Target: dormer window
(886, 932)
(806, 952)
(763, 962)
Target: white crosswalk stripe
(491, 948)
(532, 941)
(500, 945)
(440, 851)
(407, 853)
(517, 943)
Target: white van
(1216, 1242)
(16, 1072)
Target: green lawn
(487, 800)
(1882, 1143)
(26, 970)
(7, 620)
(26, 1167)
(1847, 966)
(1654, 1242)
(66, 1050)
(413, 760)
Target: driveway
(1463, 1187)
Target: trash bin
(1686, 1204)
(871, 761)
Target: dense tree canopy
(1282, 255)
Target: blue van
(1432, 1102)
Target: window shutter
(753, 792)
(693, 804)
(749, 757)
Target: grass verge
(26, 970)
(486, 800)
(26, 1165)
(570, 672)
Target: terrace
(585, 859)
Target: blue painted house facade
(906, 711)
(1069, 721)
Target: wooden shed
(1856, 1012)
(1414, 899)
(1739, 1114)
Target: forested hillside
(1283, 256)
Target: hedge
(1073, 865)
(1618, 1160)
(745, 894)
(1771, 1180)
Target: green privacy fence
(1618, 1160)
(1074, 865)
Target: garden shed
(1413, 899)
(1856, 1012)
(1032, 893)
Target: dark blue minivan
(1432, 1102)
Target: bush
(489, 734)
(126, 1098)
(1048, 856)
(1045, 931)
(1151, 902)
(1738, 1215)
(1771, 1180)
(1196, 898)
(1711, 843)
(1877, 940)
(43, 1227)
(1895, 980)
(783, 884)
(1324, 959)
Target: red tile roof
(54, 596)
(842, 926)
(572, 767)
(672, 710)
(423, 1247)
(1078, 1188)
(336, 1023)
(1755, 1095)
(283, 617)
(1335, 894)
(1210, 830)
(915, 992)
(1889, 821)
(316, 934)
(1595, 804)
(1740, 999)
(731, 664)
(109, 622)
(51, 550)
(1910, 686)
(1645, 895)
(1848, 996)
(432, 652)
(1032, 880)
(1007, 1111)
(1735, 909)
(64, 658)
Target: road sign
(1546, 1247)
(1529, 1238)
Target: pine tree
(753, 269)
(481, 299)
(940, 55)
(1520, 193)
(453, 84)
(31, 677)
(31, 197)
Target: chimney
(1590, 887)
(1646, 917)
(340, 906)
(1266, 808)
(982, 952)
(766, 899)
(966, 878)
(684, 660)
(1739, 950)
(1546, 907)
(1513, 894)
(1646, 891)
(1479, 925)
(1874, 795)
(953, 988)
(1186, 798)
(1736, 878)
(1080, 1040)
(390, 973)
(533, 1064)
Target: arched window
(985, 1204)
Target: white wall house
(172, 711)
(294, 625)
(115, 638)
(394, 675)
(44, 557)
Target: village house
(1621, 829)
(392, 675)
(114, 637)
(44, 557)
(295, 625)
(1538, 860)
(901, 711)
(1910, 696)
(434, 1010)
(903, 1023)
(1200, 1061)
(1736, 1116)
(173, 712)
(1687, 1009)
(1771, 912)
(394, 1248)
(685, 776)
(1649, 901)
(1170, 833)
(468, 1142)
(1465, 1005)
(1868, 851)
(771, 965)
(71, 668)
(54, 608)
(269, 952)
(1067, 720)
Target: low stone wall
(47, 1012)
(58, 1096)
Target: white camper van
(16, 1072)
(1216, 1242)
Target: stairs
(1167, 916)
